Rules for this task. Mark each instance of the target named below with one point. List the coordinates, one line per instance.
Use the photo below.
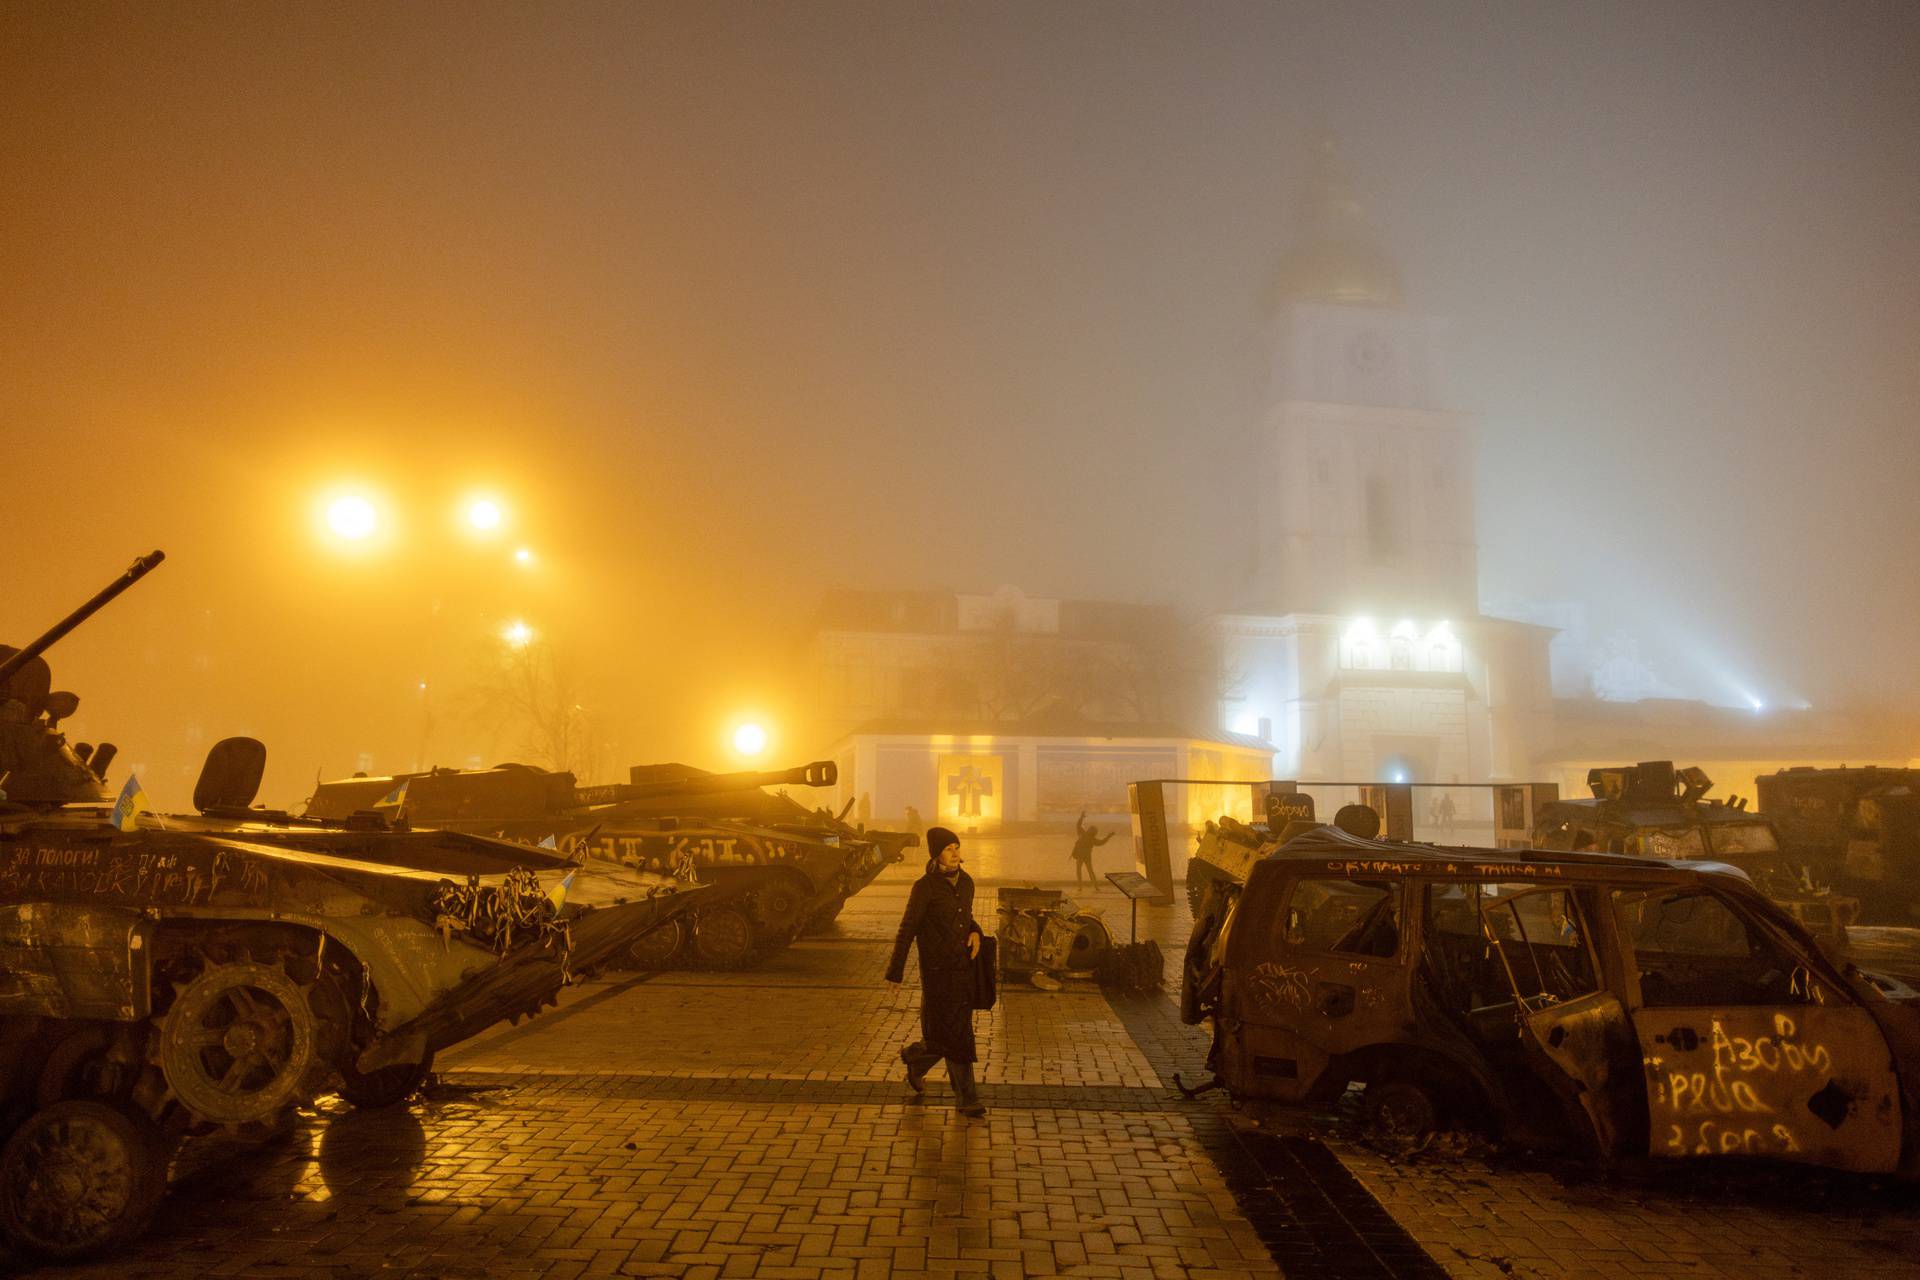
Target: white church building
(1360, 651)
(1354, 651)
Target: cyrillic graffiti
(152, 877)
(1736, 1094)
(1710, 1138)
(667, 853)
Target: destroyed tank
(162, 977)
(1860, 826)
(774, 868)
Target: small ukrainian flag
(132, 802)
(395, 799)
(558, 896)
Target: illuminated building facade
(989, 711)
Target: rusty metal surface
(1768, 1049)
(69, 961)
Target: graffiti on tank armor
(127, 875)
(669, 853)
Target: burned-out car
(1635, 1007)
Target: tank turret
(38, 767)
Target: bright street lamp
(484, 515)
(517, 634)
(352, 517)
(749, 739)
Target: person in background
(1084, 844)
(939, 918)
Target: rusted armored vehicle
(1227, 848)
(1860, 827)
(1223, 855)
(162, 977)
(1653, 810)
(774, 869)
(1625, 1006)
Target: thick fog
(729, 304)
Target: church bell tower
(1365, 497)
(1360, 651)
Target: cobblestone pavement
(755, 1125)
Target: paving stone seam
(1287, 1188)
(800, 1090)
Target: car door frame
(1293, 1011)
(1574, 1045)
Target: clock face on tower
(1373, 376)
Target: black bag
(986, 970)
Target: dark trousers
(920, 1059)
(1084, 864)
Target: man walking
(1084, 844)
(939, 918)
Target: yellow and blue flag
(131, 803)
(558, 895)
(395, 799)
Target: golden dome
(1338, 257)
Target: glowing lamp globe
(749, 739)
(352, 517)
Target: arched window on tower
(1383, 522)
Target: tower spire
(1338, 256)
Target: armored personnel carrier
(162, 977)
(1859, 826)
(774, 868)
(1653, 810)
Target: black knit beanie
(939, 838)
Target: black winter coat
(939, 918)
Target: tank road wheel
(238, 1044)
(80, 1178)
(779, 910)
(723, 938)
(383, 1086)
(657, 949)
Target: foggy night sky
(733, 303)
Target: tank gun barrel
(820, 773)
(139, 570)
